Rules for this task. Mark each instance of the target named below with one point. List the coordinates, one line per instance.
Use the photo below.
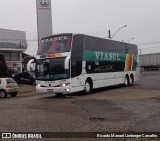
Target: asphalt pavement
(110, 109)
(26, 88)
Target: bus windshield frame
(51, 69)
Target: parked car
(8, 86)
(25, 78)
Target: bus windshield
(55, 44)
(51, 69)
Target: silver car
(8, 86)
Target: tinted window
(25, 75)
(77, 51)
(115, 46)
(51, 69)
(77, 46)
(94, 43)
(32, 74)
(131, 48)
(104, 66)
(10, 80)
(76, 67)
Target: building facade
(12, 44)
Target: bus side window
(76, 67)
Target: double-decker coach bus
(69, 63)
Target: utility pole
(109, 34)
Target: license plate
(50, 90)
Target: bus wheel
(126, 81)
(131, 80)
(88, 87)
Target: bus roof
(73, 34)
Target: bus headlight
(67, 90)
(64, 84)
(38, 85)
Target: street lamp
(130, 39)
(118, 30)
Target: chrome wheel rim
(87, 87)
(126, 81)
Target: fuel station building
(12, 44)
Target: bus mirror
(35, 60)
(66, 64)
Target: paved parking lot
(113, 109)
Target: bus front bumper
(64, 90)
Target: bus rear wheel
(131, 80)
(126, 81)
(88, 87)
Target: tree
(3, 67)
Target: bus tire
(126, 81)
(88, 87)
(131, 80)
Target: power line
(150, 47)
(149, 43)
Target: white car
(8, 86)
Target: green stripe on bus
(92, 55)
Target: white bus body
(86, 63)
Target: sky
(92, 17)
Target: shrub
(3, 67)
